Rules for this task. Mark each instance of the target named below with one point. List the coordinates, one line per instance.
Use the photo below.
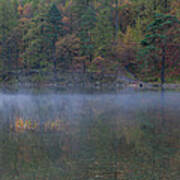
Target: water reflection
(89, 137)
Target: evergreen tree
(8, 20)
(162, 31)
(85, 34)
(36, 53)
(41, 37)
(104, 30)
(86, 18)
(55, 29)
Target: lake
(129, 135)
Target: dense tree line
(140, 36)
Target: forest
(141, 37)
(89, 89)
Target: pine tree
(41, 37)
(86, 18)
(162, 31)
(36, 46)
(55, 28)
(8, 20)
(104, 31)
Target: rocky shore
(74, 82)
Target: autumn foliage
(82, 36)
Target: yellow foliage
(54, 125)
(175, 8)
(128, 36)
(20, 9)
(21, 125)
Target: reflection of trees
(141, 150)
(102, 142)
(155, 149)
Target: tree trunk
(71, 23)
(55, 63)
(90, 57)
(84, 66)
(154, 5)
(116, 19)
(163, 66)
(166, 4)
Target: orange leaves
(23, 20)
(98, 61)
(20, 9)
(56, 125)
(104, 65)
(28, 10)
(68, 48)
(70, 42)
(65, 20)
(126, 16)
(125, 52)
(175, 8)
(122, 3)
(21, 125)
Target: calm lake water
(125, 136)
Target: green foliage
(159, 34)
(54, 20)
(32, 30)
(41, 38)
(87, 24)
(103, 33)
(8, 20)
(8, 17)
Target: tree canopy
(79, 35)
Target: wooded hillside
(104, 36)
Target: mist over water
(130, 100)
(33, 106)
(128, 135)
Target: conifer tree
(41, 37)
(162, 31)
(86, 18)
(104, 30)
(54, 20)
(8, 20)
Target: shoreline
(80, 82)
(82, 87)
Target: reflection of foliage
(22, 125)
(101, 143)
